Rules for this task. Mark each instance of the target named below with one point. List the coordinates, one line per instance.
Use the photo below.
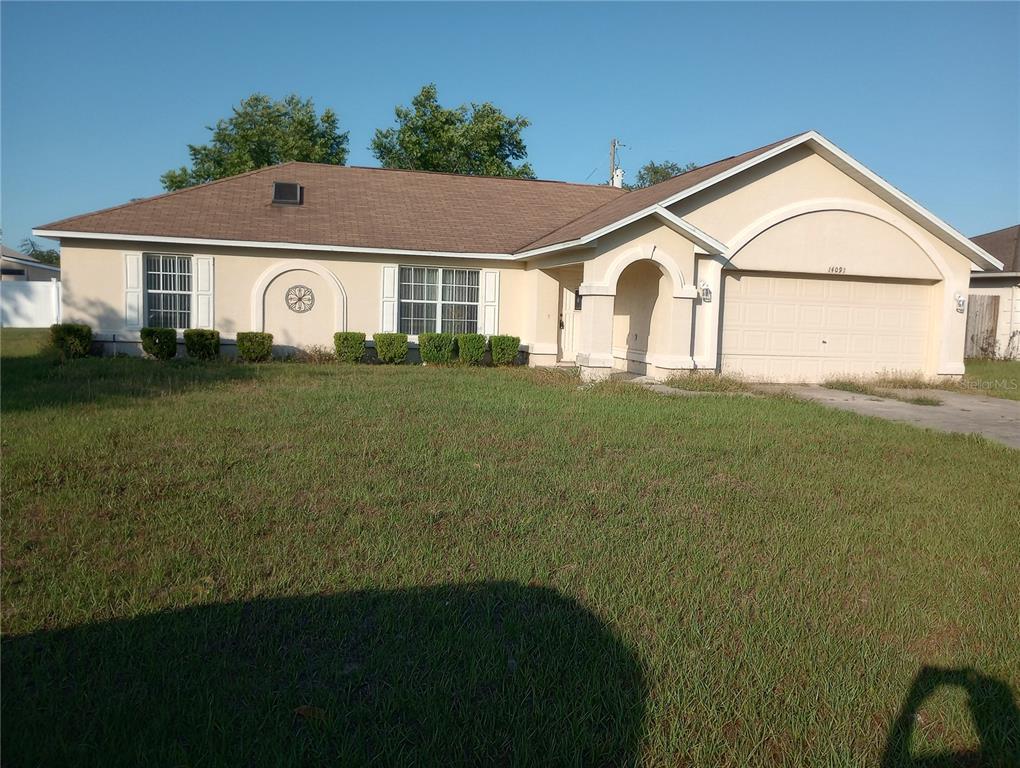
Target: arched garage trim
(258, 291)
(793, 210)
(653, 253)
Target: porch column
(595, 342)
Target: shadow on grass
(992, 708)
(491, 673)
(39, 381)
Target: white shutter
(490, 302)
(133, 299)
(388, 322)
(202, 291)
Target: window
(167, 290)
(433, 299)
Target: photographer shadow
(992, 707)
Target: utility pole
(613, 143)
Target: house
(19, 266)
(995, 317)
(790, 262)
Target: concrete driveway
(993, 417)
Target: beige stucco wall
(94, 285)
(1007, 332)
(641, 312)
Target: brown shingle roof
(639, 199)
(357, 207)
(381, 208)
(1003, 244)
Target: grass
(707, 382)
(996, 378)
(278, 564)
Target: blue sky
(99, 99)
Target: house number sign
(300, 298)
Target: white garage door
(780, 328)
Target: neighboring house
(18, 266)
(788, 262)
(29, 291)
(994, 319)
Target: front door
(570, 310)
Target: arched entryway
(642, 315)
(301, 303)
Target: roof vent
(288, 193)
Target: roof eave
(71, 235)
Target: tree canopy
(262, 132)
(29, 247)
(652, 172)
(475, 139)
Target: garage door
(782, 328)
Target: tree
(263, 132)
(475, 139)
(653, 172)
(45, 255)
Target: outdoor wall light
(706, 291)
(961, 301)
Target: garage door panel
(784, 328)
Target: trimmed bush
(202, 343)
(470, 348)
(254, 347)
(160, 343)
(390, 347)
(71, 340)
(436, 348)
(350, 346)
(504, 349)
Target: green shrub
(254, 347)
(202, 343)
(350, 346)
(390, 347)
(160, 343)
(71, 340)
(504, 349)
(436, 348)
(470, 348)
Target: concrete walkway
(994, 417)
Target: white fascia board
(58, 234)
(705, 240)
(992, 274)
(702, 239)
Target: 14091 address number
(837, 270)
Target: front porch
(631, 308)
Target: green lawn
(308, 564)
(1000, 378)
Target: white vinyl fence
(29, 303)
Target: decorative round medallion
(300, 298)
